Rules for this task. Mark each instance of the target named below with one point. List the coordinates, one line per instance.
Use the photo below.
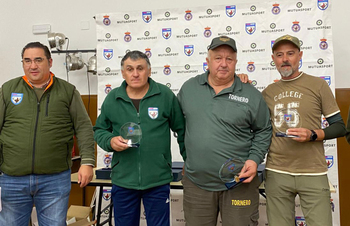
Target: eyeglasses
(38, 61)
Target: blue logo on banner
(166, 33)
(300, 63)
(250, 28)
(329, 160)
(322, 4)
(16, 98)
(327, 79)
(323, 44)
(108, 53)
(147, 16)
(205, 66)
(276, 9)
(189, 49)
(106, 194)
(230, 10)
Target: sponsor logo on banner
(329, 161)
(167, 17)
(153, 112)
(16, 98)
(205, 66)
(300, 63)
(106, 20)
(323, 44)
(106, 194)
(276, 9)
(189, 49)
(167, 70)
(148, 52)
(166, 33)
(254, 83)
(272, 42)
(108, 53)
(250, 28)
(127, 36)
(322, 4)
(327, 79)
(300, 221)
(188, 15)
(230, 10)
(147, 16)
(108, 88)
(320, 64)
(207, 32)
(296, 26)
(251, 67)
(107, 159)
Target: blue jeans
(49, 193)
(127, 205)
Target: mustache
(286, 64)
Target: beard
(286, 73)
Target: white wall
(65, 16)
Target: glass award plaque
(131, 132)
(285, 119)
(229, 172)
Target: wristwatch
(313, 135)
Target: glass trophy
(285, 119)
(229, 172)
(131, 132)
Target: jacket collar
(47, 85)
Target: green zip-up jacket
(36, 136)
(149, 165)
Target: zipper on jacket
(47, 104)
(34, 140)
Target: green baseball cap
(223, 40)
(287, 38)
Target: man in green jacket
(224, 119)
(39, 115)
(142, 172)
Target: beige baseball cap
(289, 38)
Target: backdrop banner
(176, 41)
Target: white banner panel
(176, 42)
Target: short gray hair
(135, 55)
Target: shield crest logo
(16, 98)
(147, 16)
(189, 49)
(166, 33)
(153, 112)
(230, 10)
(108, 53)
(106, 194)
(327, 79)
(250, 28)
(205, 66)
(322, 4)
(329, 161)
